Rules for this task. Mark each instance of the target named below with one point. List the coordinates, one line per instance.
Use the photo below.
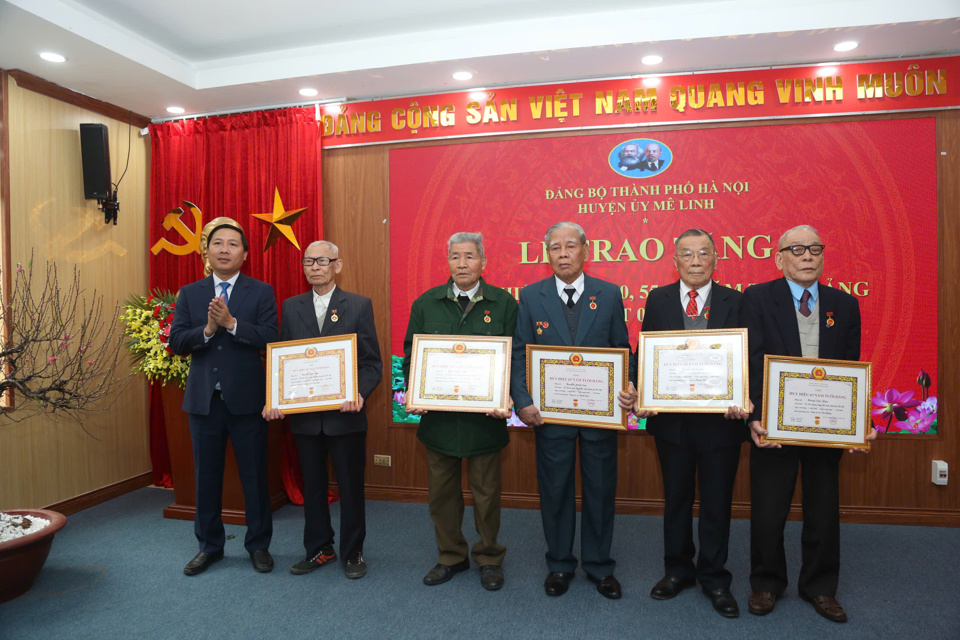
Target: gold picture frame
(818, 402)
(459, 373)
(564, 395)
(703, 371)
(313, 374)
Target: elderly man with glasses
(795, 316)
(327, 310)
(696, 449)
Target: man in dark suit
(324, 311)
(465, 305)
(224, 321)
(651, 158)
(794, 316)
(572, 308)
(691, 446)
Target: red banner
(868, 187)
(868, 87)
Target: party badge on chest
(333, 315)
(486, 316)
(830, 320)
(593, 302)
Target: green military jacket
(436, 311)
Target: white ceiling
(212, 56)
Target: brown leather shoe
(828, 607)
(761, 602)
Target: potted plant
(60, 356)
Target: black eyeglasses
(800, 249)
(323, 261)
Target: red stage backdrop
(233, 166)
(868, 187)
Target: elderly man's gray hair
(333, 247)
(466, 236)
(694, 232)
(799, 227)
(566, 225)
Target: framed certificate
(578, 385)
(693, 371)
(459, 373)
(315, 374)
(816, 403)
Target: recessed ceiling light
(462, 75)
(308, 92)
(176, 110)
(49, 56)
(651, 59)
(849, 45)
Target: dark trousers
(556, 477)
(684, 468)
(349, 456)
(446, 506)
(773, 476)
(248, 433)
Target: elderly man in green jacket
(465, 305)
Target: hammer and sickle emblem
(172, 221)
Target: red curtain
(232, 166)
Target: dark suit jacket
(665, 313)
(600, 327)
(644, 167)
(771, 321)
(354, 315)
(233, 360)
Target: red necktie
(804, 304)
(692, 305)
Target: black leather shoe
(557, 582)
(491, 577)
(262, 560)
(608, 587)
(201, 561)
(723, 602)
(669, 587)
(443, 572)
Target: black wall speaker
(95, 153)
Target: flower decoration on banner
(148, 321)
(902, 413)
(280, 222)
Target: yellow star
(280, 222)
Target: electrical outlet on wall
(939, 472)
(382, 461)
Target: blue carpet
(115, 571)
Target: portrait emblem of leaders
(640, 158)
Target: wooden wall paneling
(947, 447)
(890, 485)
(50, 220)
(69, 96)
(5, 276)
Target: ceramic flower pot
(22, 558)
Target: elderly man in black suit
(794, 316)
(696, 449)
(224, 321)
(327, 310)
(574, 309)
